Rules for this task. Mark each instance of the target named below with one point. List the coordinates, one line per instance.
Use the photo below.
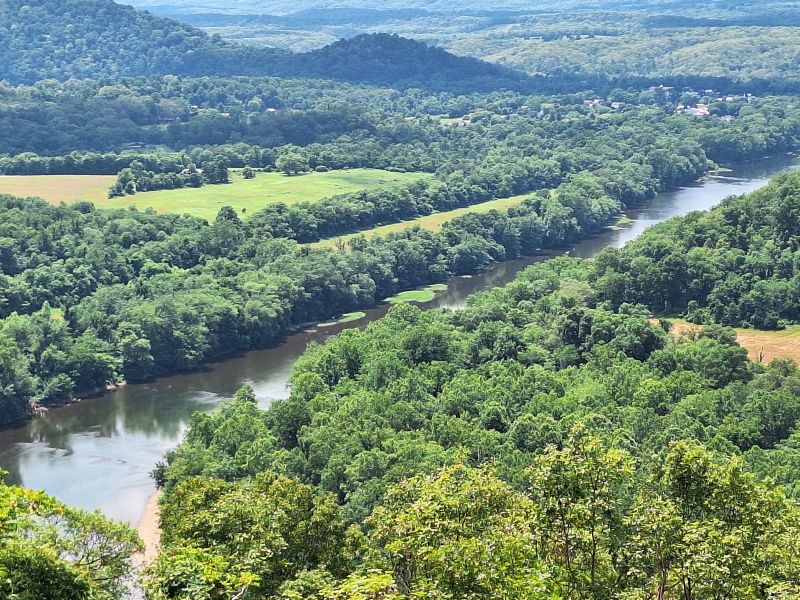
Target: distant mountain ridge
(63, 39)
(391, 59)
(286, 7)
(301, 19)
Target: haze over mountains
(282, 7)
(576, 44)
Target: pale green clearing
(425, 294)
(622, 222)
(247, 196)
(433, 222)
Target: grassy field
(761, 346)
(433, 222)
(58, 188)
(765, 346)
(247, 196)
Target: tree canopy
(542, 443)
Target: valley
(399, 300)
(134, 426)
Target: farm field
(433, 222)
(248, 196)
(765, 346)
(762, 346)
(58, 188)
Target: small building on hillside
(699, 111)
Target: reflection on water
(99, 453)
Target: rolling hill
(393, 60)
(63, 39)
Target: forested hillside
(61, 39)
(546, 442)
(566, 45)
(389, 59)
(52, 39)
(736, 265)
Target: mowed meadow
(58, 188)
(247, 196)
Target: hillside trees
(741, 280)
(138, 295)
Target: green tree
(580, 493)
(49, 550)
(292, 163)
(225, 538)
(461, 533)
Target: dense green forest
(734, 266)
(546, 442)
(51, 551)
(357, 125)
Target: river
(98, 454)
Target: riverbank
(619, 222)
(149, 528)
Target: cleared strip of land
(432, 222)
(766, 346)
(58, 188)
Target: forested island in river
(474, 389)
